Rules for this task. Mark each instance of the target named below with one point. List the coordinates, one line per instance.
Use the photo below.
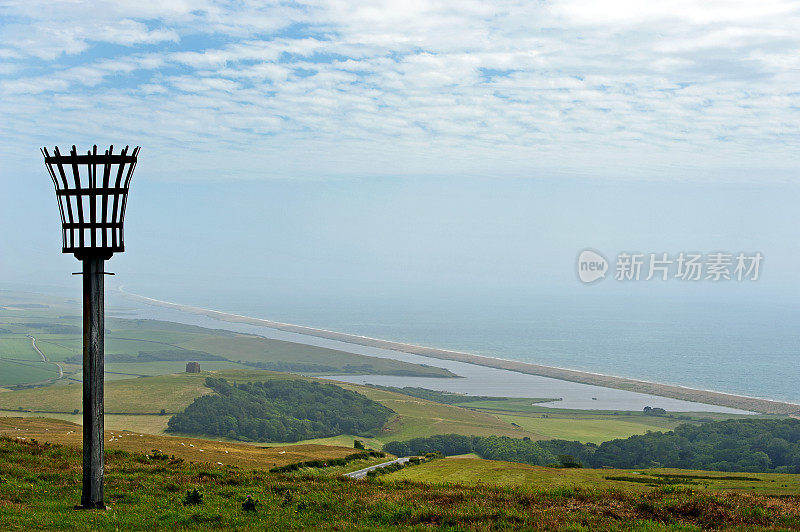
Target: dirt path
(361, 473)
(44, 357)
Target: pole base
(98, 506)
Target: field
(468, 470)
(18, 348)
(13, 372)
(418, 417)
(588, 426)
(147, 395)
(136, 404)
(56, 326)
(588, 429)
(39, 483)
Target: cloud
(423, 87)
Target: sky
(407, 147)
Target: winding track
(361, 473)
(44, 357)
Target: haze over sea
(482, 265)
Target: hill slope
(39, 484)
(190, 449)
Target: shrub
(193, 498)
(249, 504)
(158, 455)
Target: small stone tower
(193, 367)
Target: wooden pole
(93, 329)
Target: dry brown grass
(189, 449)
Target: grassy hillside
(39, 484)
(189, 449)
(478, 471)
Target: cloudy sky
(327, 89)
(429, 142)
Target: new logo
(591, 266)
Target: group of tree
(751, 445)
(279, 410)
(54, 328)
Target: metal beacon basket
(92, 191)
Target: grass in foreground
(40, 483)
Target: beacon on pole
(92, 192)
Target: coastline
(741, 402)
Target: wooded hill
(279, 410)
(754, 445)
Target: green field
(130, 396)
(54, 349)
(19, 348)
(13, 372)
(40, 483)
(590, 429)
(527, 406)
(478, 471)
(588, 426)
